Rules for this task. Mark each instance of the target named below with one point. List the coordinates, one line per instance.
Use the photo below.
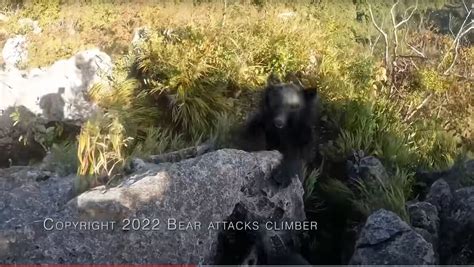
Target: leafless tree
(465, 29)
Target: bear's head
(287, 102)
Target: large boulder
(455, 205)
(387, 239)
(440, 196)
(46, 96)
(15, 52)
(424, 218)
(166, 213)
(59, 91)
(366, 168)
(457, 229)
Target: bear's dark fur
(285, 122)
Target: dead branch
(465, 6)
(420, 54)
(411, 56)
(399, 24)
(419, 107)
(392, 13)
(459, 76)
(225, 13)
(385, 36)
(458, 42)
(372, 45)
(465, 28)
(406, 19)
(450, 24)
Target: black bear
(285, 122)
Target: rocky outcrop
(166, 213)
(450, 192)
(424, 219)
(366, 168)
(386, 239)
(43, 96)
(14, 53)
(459, 176)
(441, 197)
(457, 229)
(59, 91)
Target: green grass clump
(195, 67)
(374, 195)
(63, 158)
(156, 141)
(101, 146)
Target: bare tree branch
(450, 25)
(392, 13)
(465, 6)
(420, 53)
(416, 51)
(384, 34)
(395, 35)
(372, 45)
(225, 13)
(406, 19)
(399, 24)
(419, 107)
(457, 41)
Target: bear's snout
(279, 121)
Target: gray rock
(440, 196)
(460, 175)
(367, 168)
(456, 213)
(386, 239)
(428, 237)
(373, 168)
(15, 52)
(200, 190)
(33, 25)
(57, 92)
(424, 218)
(457, 231)
(54, 94)
(424, 215)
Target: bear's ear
(310, 94)
(293, 78)
(273, 79)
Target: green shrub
(63, 158)
(156, 141)
(374, 195)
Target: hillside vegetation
(198, 71)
